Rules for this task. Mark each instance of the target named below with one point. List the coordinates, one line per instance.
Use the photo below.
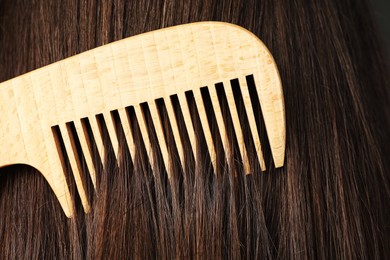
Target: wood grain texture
(129, 72)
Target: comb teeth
(230, 104)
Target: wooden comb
(39, 106)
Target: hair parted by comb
(330, 200)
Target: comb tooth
(126, 129)
(75, 165)
(62, 159)
(98, 139)
(183, 104)
(86, 151)
(272, 108)
(160, 135)
(220, 123)
(111, 132)
(145, 135)
(175, 130)
(252, 122)
(205, 126)
(236, 125)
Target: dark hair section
(330, 200)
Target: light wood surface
(129, 72)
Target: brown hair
(330, 200)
